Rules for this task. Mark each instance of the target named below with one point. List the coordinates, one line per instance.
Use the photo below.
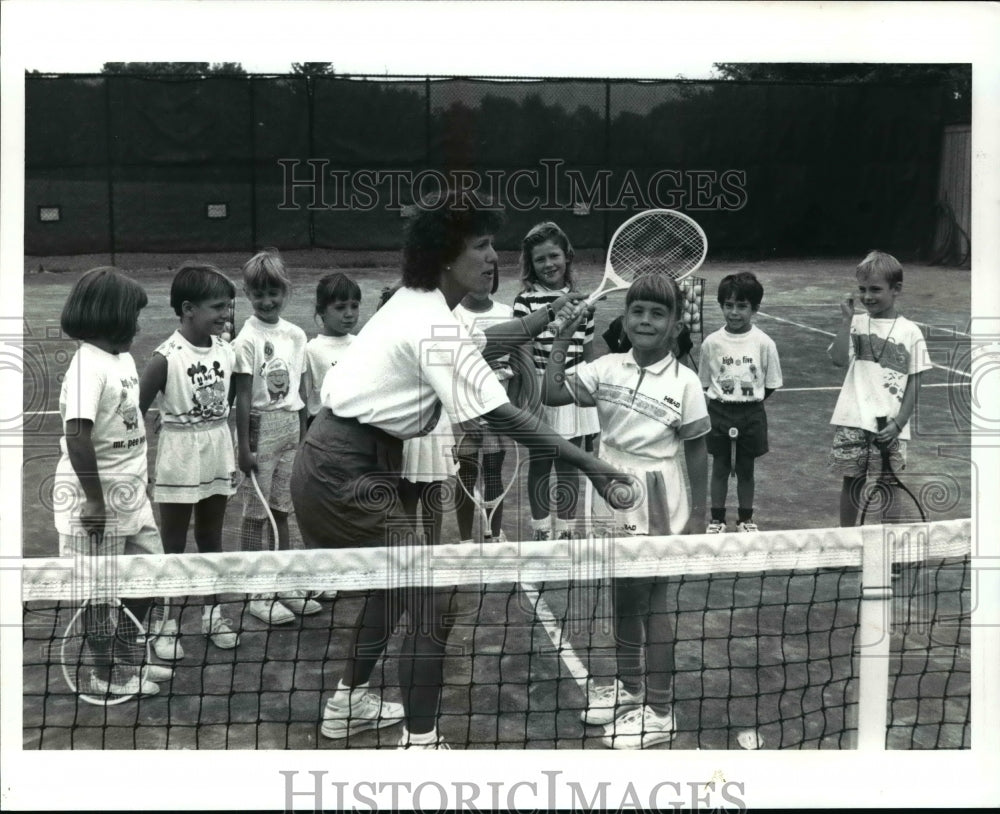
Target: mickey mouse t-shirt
(198, 379)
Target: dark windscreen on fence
(126, 163)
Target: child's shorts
(144, 540)
(193, 463)
(855, 454)
(749, 417)
(275, 436)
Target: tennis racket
(102, 652)
(250, 544)
(489, 467)
(657, 241)
(888, 486)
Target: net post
(872, 646)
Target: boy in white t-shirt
(739, 369)
(885, 354)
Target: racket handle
(883, 448)
(559, 323)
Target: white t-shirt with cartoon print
(198, 379)
(883, 354)
(739, 367)
(103, 388)
(275, 355)
(322, 353)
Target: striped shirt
(527, 302)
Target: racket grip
(559, 323)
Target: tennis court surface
(766, 646)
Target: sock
(632, 684)
(544, 524)
(745, 514)
(719, 514)
(423, 737)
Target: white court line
(827, 333)
(838, 387)
(576, 668)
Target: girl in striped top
(547, 275)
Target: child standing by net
(885, 355)
(485, 457)
(270, 417)
(546, 276)
(195, 468)
(102, 509)
(649, 405)
(338, 304)
(739, 370)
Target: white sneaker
(270, 611)
(748, 526)
(348, 713)
(500, 538)
(716, 527)
(134, 685)
(607, 702)
(541, 534)
(165, 642)
(406, 742)
(300, 603)
(219, 631)
(638, 729)
(156, 673)
(324, 596)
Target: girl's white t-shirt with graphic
(103, 388)
(275, 355)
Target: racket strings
(657, 244)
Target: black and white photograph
(549, 384)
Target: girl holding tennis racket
(99, 493)
(546, 275)
(649, 406)
(270, 419)
(195, 468)
(411, 361)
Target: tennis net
(767, 641)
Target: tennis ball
(621, 496)
(686, 317)
(697, 290)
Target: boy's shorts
(749, 417)
(275, 436)
(855, 454)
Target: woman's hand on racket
(568, 318)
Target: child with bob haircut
(649, 405)
(739, 371)
(270, 417)
(338, 304)
(547, 275)
(192, 371)
(885, 355)
(103, 509)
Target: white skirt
(194, 463)
(663, 506)
(430, 457)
